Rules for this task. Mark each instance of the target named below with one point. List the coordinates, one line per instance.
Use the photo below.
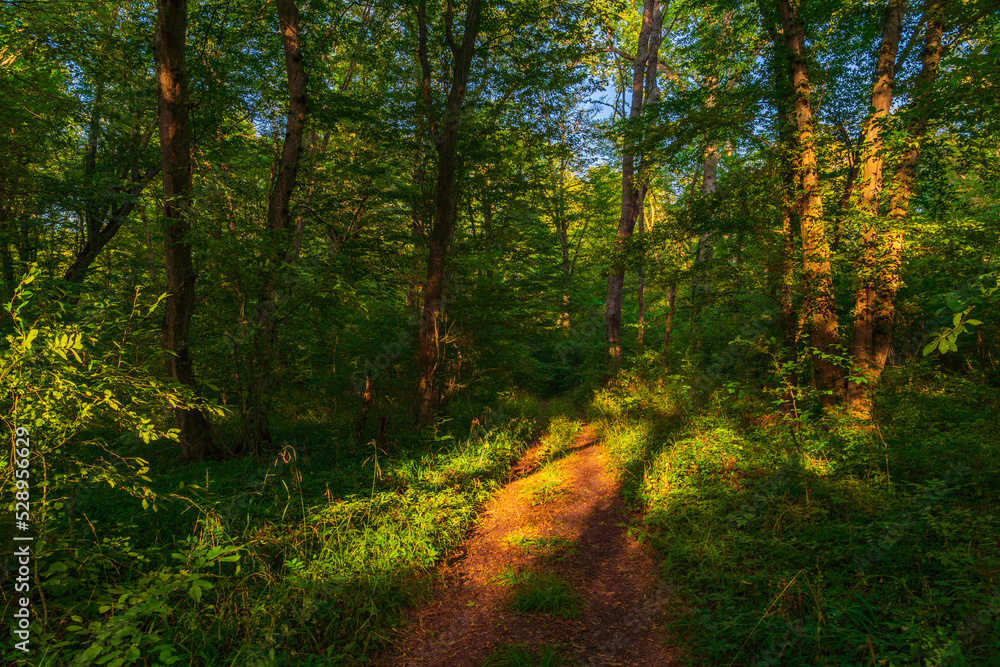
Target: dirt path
(564, 522)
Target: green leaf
(930, 347)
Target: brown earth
(623, 608)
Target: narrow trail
(565, 519)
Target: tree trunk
(789, 166)
(98, 236)
(175, 152)
(709, 177)
(562, 226)
(863, 373)
(366, 402)
(905, 188)
(643, 87)
(283, 247)
(444, 132)
(819, 301)
(640, 290)
(671, 298)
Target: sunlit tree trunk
(175, 151)
(819, 304)
(905, 187)
(444, 133)
(643, 87)
(282, 236)
(640, 290)
(863, 373)
(562, 226)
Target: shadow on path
(623, 606)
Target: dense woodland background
(288, 287)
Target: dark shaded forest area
(290, 288)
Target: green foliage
(130, 620)
(321, 564)
(66, 376)
(819, 542)
(559, 438)
(946, 339)
(540, 592)
(518, 655)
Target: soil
(623, 608)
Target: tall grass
(305, 559)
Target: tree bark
(819, 301)
(98, 236)
(444, 133)
(640, 290)
(562, 226)
(671, 299)
(905, 187)
(175, 153)
(863, 373)
(283, 246)
(643, 90)
(709, 178)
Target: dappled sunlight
(546, 569)
(774, 545)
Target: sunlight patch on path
(553, 540)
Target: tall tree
(890, 263)
(819, 301)
(175, 151)
(443, 128)
(284, 240)
(864, 372)
(633, 186)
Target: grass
(547, 485)
(821, 544)
(545, 547)
(518, 655)
(559, 438)
(540, 592)
(306, 558)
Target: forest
(501, 332)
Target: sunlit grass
(791, 544)
(539, 592)
(331, 548)
(560, 438)
(547, 485)
(542, 546)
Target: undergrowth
(305, 559)
(816, 541)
